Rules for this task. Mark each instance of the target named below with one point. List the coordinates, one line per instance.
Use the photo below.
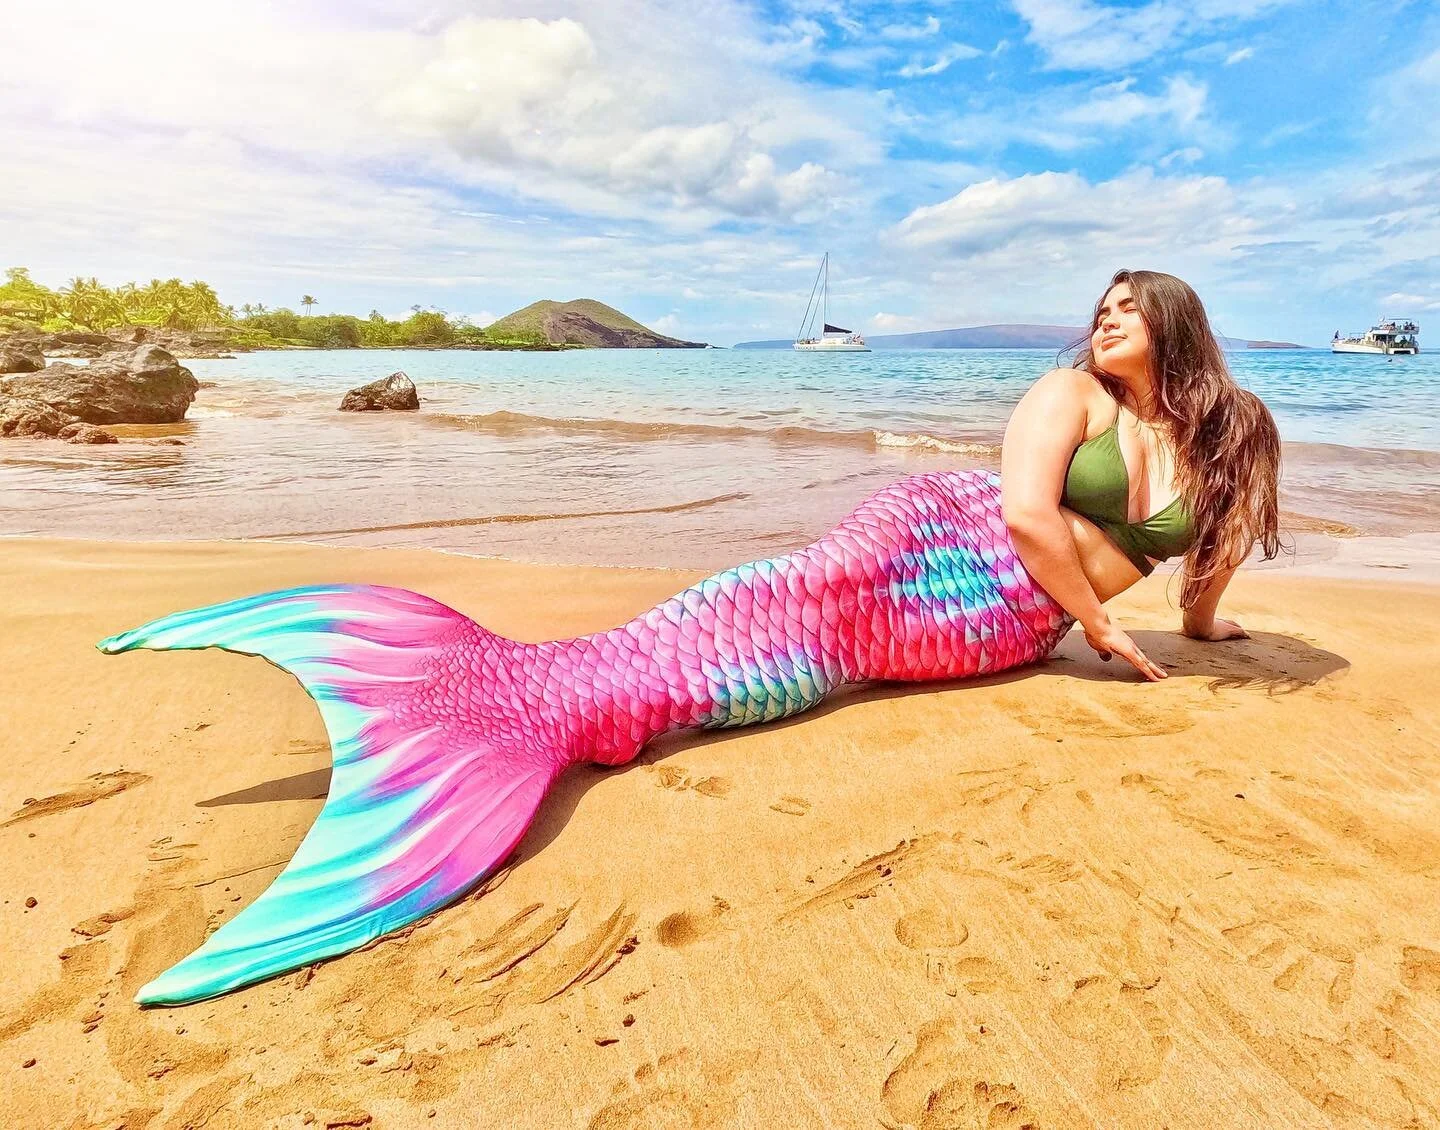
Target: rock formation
(395, 392)
(21, 357)
(66, 401)
(147, 387)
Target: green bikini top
(1097, 486)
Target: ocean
(685, 458)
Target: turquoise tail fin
(428, 793)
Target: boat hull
(1368, 347)
(829, 347)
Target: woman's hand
(1108, 639)
(1217, 630)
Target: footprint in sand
(100, 786)
(1139, 955)
(976, 975)
(1420, 969)
(678, 930)
(791, 805)
(931, 929)
(1119, 716)
(1344, 1087)
(1126, 1030)
(675, 778)
(935, 1088)
(1245, 827)
(678, 1090)
(101, 923)
(1296, 967)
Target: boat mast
(825, 297)
(810, 305)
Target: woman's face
(1119, 339)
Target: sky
(689, 163)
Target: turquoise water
(1316, 396)
(653, 457)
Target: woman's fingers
(1114, 641)
(1141, 663)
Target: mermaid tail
(446, 737)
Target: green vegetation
(84, 304)
(87, 305)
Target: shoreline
(916, 880)
(1412, 559)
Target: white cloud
(1187, 156)
(629, 149)
(1239, 56)
(930, 27)
(894, 323)
(1117, 105)
(1085, 35)
(952, 54)
(1064, 218)
(666, 324)
(1410, 302)
(1074, 117)
(1286, 130)
(579, 112)
(1410, 95)
(1079, 35)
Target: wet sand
(1055, 898)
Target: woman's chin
(1119, 360)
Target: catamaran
(831, 339)
(1389, 335)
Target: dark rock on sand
(146, 387)
(22, 416)
(21, 357)
(86, 433)
(395, 392)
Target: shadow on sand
(1278, 664)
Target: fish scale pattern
(920, 582)
(446, 737)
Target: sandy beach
(1055, 898)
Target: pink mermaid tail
(446, 737)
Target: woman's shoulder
(1077, 380)
(1073, 387)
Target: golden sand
(1060, 897)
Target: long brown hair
(1227, 448)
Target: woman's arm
(1200, 621)
(1044, 430)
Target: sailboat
(831, 339)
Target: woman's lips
(1104, 341)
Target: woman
(1145, 449)
(446, 737)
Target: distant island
(1019, 336)
(584, 322)
(189, 319)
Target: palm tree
(307, 302)
(202, 304)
